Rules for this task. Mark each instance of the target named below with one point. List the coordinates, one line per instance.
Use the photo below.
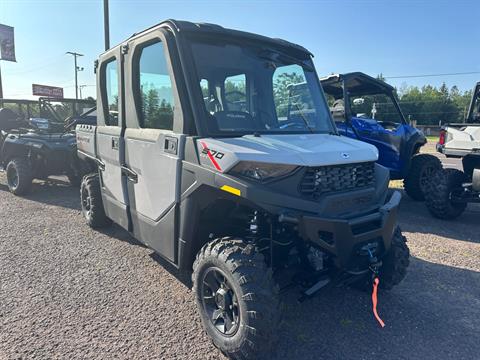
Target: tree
(281, 90)
(430, 105)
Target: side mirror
(358, 101)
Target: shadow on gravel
(415, 218)
(121, 234)
(433, 314)
(184, 277)
(54, 192)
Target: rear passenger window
(235, 93)
(111, 89)
(157, 103)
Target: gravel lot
(69, 292)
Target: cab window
(155, 85)
(110, 81)
(235, 93)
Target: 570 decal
(213, 155)
(216, 154)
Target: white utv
(451, 190)
(202, 156)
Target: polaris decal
(213, 155)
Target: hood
(301, 150)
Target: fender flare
(416, 141)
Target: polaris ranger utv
(200, 158)
(36, 147)
(367, 109)
(451, 190)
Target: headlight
(261, 171)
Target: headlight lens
(261, 171)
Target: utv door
(387, 140)
(153, 150)
(109, 142)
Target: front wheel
(438, 197)
(394, 265)
(236, 298)
(19, 176)
(92, 204)
(422, 168)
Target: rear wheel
(19, 176)
(92, 204)
(438, 197)
(422, 168)
(237, 298)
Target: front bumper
(345, 238)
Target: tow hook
(374, 266)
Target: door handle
(115, 143)
(171, 145)
(130, 174)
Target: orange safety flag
(374, 301)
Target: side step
(308, 293)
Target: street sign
(7, 43)
(49, 91)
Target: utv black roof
(357, 83)
(180, 26)
(475, 95)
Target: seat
(338, 110)
(8, 119)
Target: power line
(432, 75)
(35, 67)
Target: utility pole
(1, 89)
(106, 24)
(77, 69)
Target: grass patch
(433, 139)
(396, 184)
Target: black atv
(36, 149)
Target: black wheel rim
(12, 177)
(220, 302)
(86, 201)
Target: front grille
(325, 179)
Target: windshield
(251, 89)
(474, 115)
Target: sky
(396, 38)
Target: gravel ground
(67, 291)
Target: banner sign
(7, 44)
(49, 91)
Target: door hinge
(124, 49)
(131, 175)
(95, 66)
